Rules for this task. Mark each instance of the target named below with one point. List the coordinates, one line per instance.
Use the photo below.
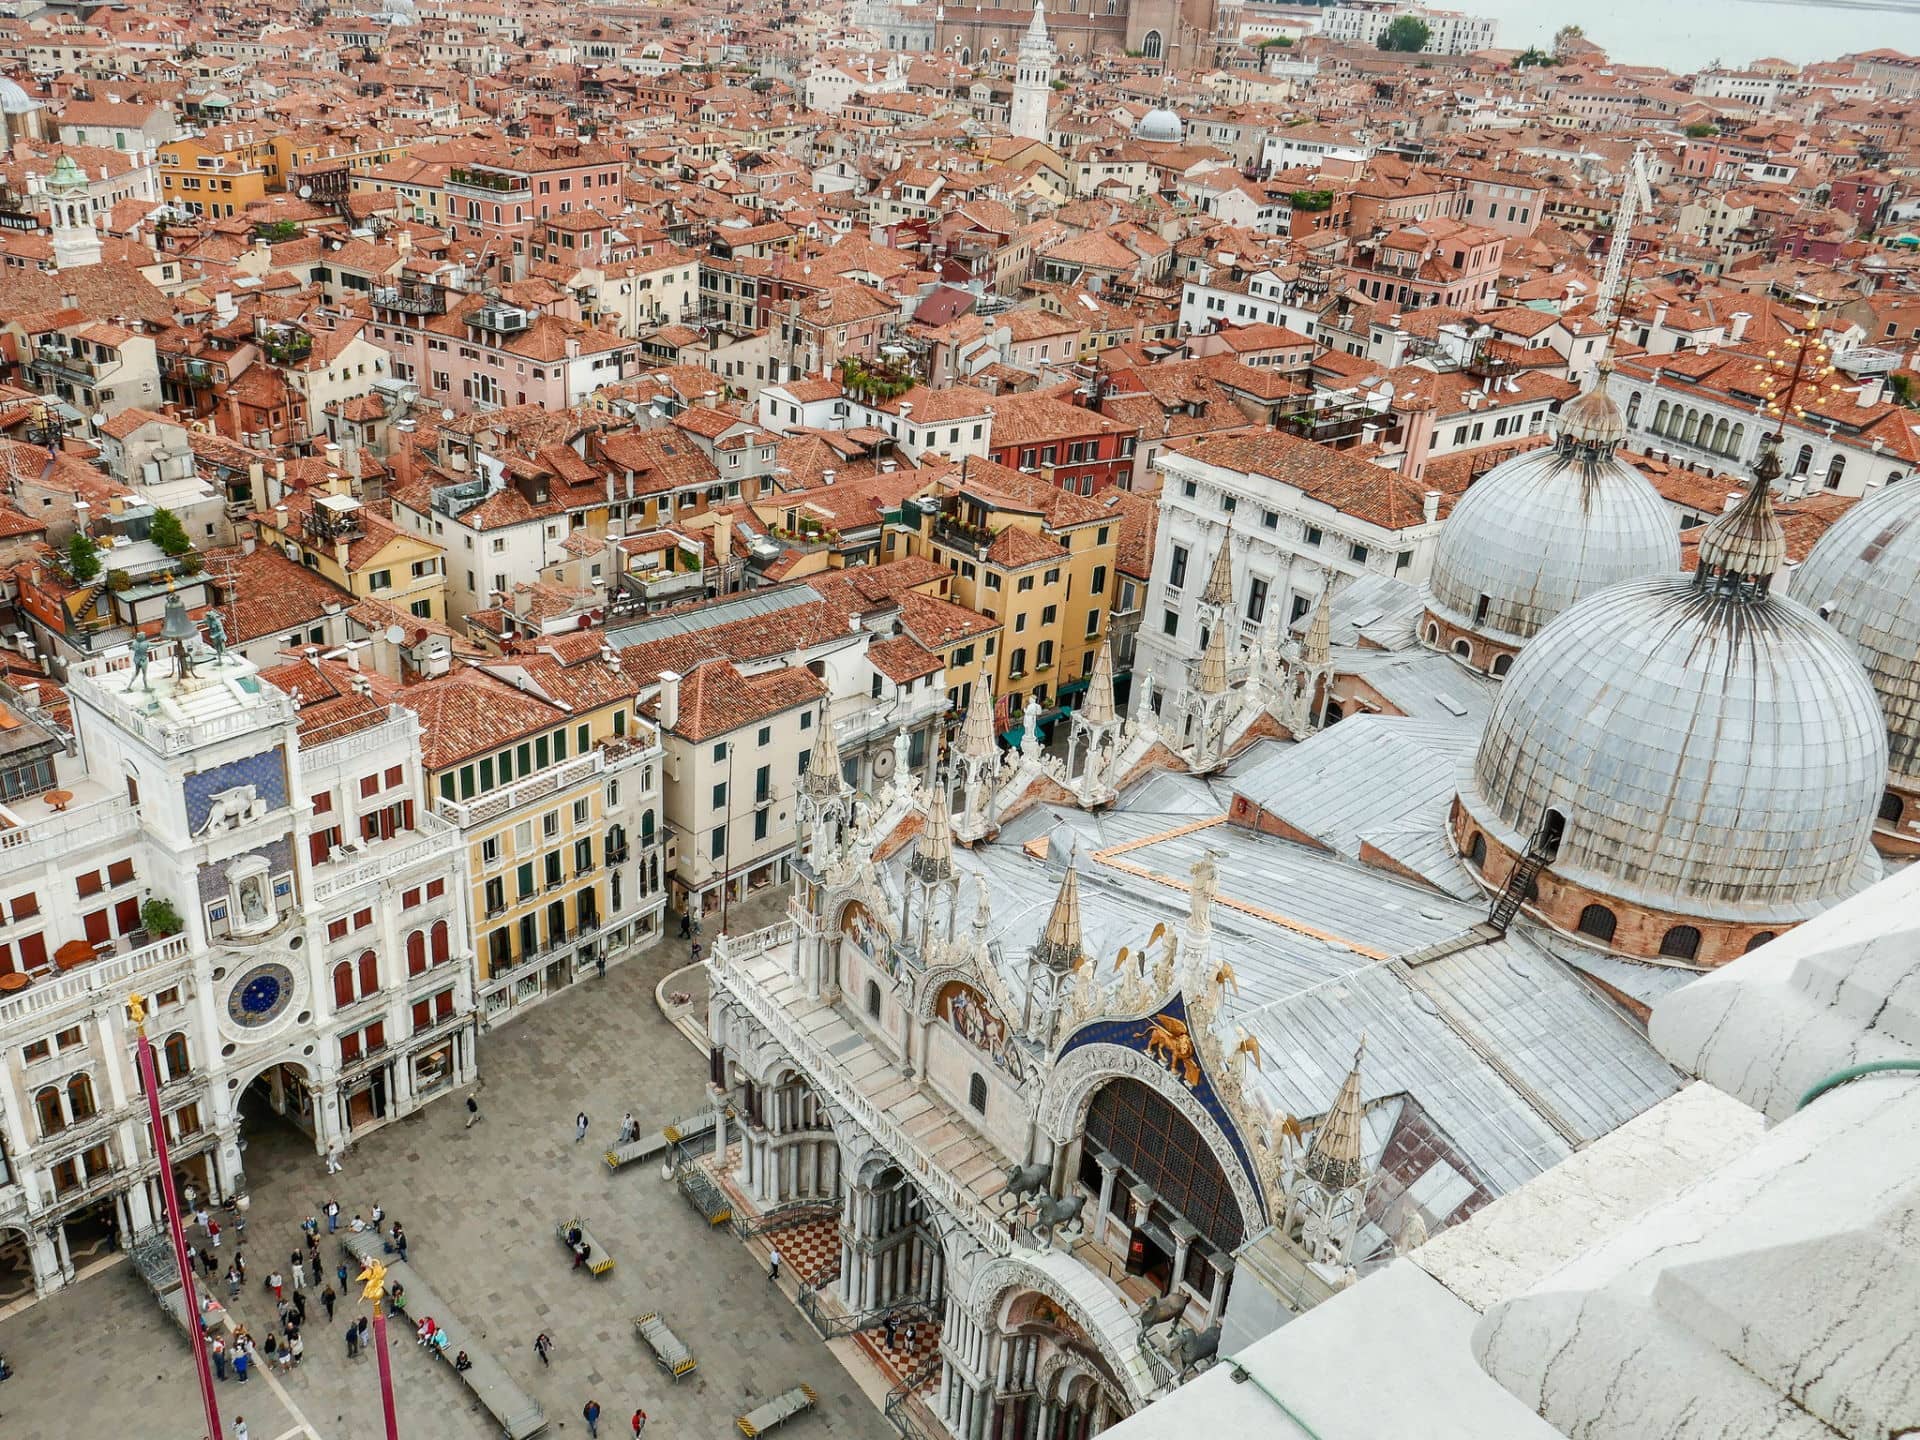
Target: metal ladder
(1541, 849)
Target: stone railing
(91, 979)
(432, 839)
(727, 965)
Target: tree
(1701, 129)
(169, 534)
(1563, 39)
(83, 558)
(159, 919)
(1408, 34)
(1532, 55)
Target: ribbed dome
(1864, 577)
(1161, 125)
(14, 100)
(1541, 530)
(1715, 753)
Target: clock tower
(1033, 78)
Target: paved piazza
(99, 1360)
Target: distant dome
(1864, 579)
(1545, 529)
(1712, 753)
(1161, 125)
(14, 100)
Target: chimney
(723, 539)
(280, 518)
(1659, 314)
(1734, 497)
(826, 476)
(1430, 506)
(1737, 331)
(248, 544)
(669, 707)
(1871, 391)
(332, 456)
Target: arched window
(80, 1097)
(873, 1000)
(369, 973)
(1891, 807)
(1737, 441)
(342, 985)
(1597, 921)
(1502, 664)
(1836, 468)
(616, 844)
(1720, 430)
(1760, 937)
(966, 55)
(175, 1051)
(977, 1092)
(1633, 407)
(1017, 662)
(1463, 649)
(53, 1116)
(1803, 462)
(442, 943)
(1660, 418)
(1682, 942)
(1690, 432)
(1433, 632)
(1477, 851)
(646, 828)
(416, 951)
(1151, 45)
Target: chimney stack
(669, 707)
(1430, 506)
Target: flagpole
(375, 1274)
(182, 1259)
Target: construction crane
(1636, 199)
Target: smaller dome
(1593, 418)
(1162, 125)
(14, 100)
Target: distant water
(1692, 34)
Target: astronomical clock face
(261, 995)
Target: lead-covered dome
(1863, 578)
(1706, 758)
(14, 100)
(1541, 531)
(1160, 125)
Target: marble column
(1108, 1171)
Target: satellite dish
(395, 634)
(100, 420)
(306, 192)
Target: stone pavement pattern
(478, 1206)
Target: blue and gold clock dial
(261, 995)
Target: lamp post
(375, 1274)
(183, 1261)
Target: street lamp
(183, 1261)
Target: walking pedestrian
(297, 1346)
(200, 1216)
(218, 1349)
(379, 1217)
(206, 1261)
(909, 1338)
(299, 1307)
(341, 1276)
(327, 1299)
(361, 1324)
(239, 1427)
(639, 1423)
(278, 1285)
(353, 1342)
(399, 1240)
(240, 1264)
(892, 1326)
(579, 1131)
(773, 1265)
(473, 1110)
(233, 1283)
(590, 1412)
(686, 923)
(299, 1269)
(600, 964)
(213, 1233)
(333, 1216)
(313, 1257)
(631, 1126)
(241, 1361)
(333, 1160)
(542, 1345)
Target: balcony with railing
(957, 534)
(411, 298)
(56, 359)
(489, 182)
(550, 781)
(429, 846)
(154, 963)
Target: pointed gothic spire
(933, 859)
(976, 731)
(1213, 664)
(1316, 648)
(1037, 27)
(1059, 948)
(1098, 709)
(1335, 1158)
(1219, 589)
(823, 777)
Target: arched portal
(16, 1267)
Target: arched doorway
(277, 1124)
(16, 1268)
